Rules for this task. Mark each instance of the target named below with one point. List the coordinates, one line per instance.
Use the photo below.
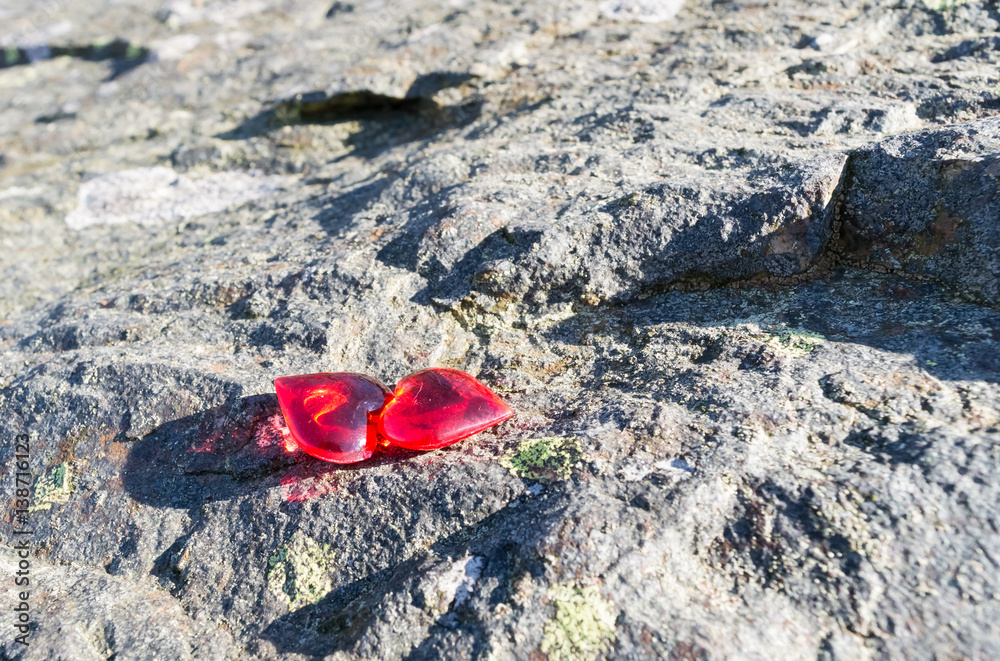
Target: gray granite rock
(929, 204)
(734, 268)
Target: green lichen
(299, 571)
(584, 625)
(544, 459)
(632, 200)
(53, 487)
(133, 52)
(941, 5)
(797, 341)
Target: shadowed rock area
(736, 270)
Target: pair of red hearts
(341, 416)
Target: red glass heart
(328, 414)
(436, 407)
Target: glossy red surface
(436, 407)
(328, 414)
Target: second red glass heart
(341, 417)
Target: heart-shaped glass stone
(436, 407)
(328, 414)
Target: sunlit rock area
(735, 266)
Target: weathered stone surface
(736, 273)
(83, 613)
(929, 204)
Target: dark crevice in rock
(322, 108)
(849, 244)
(318, 107)
(819, 266)
(168, 565)
(418, 114)
(340, 8)
(848, 237)
(56, 116)
(123, 55)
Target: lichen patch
(584, 624)
(299, 571)
(547, 459)
(53, 487)
(796, 340)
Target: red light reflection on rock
(295, 490)
(274, 431)
(206, 444)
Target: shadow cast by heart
(224, 452)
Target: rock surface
(735, 269)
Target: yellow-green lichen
(632, 200)
(53, 487)
(941, 5)
(544, 459)
(584, 625)
(133, 52)
(299, 571)
(796, 340)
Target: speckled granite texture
(736, 268)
